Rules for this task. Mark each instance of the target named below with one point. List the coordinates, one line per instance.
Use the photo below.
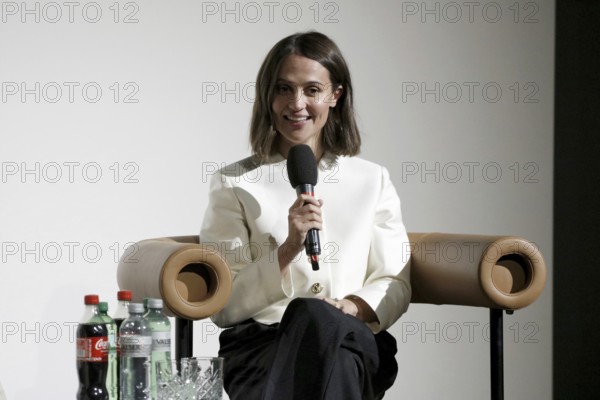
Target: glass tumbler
(193, 378)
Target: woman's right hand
(304, 215)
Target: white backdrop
(113, 114)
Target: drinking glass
(193, 378)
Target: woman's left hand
(344, 305)
(355, 306)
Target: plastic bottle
(121, 314)
(111, 375)
(135, 338)
(161, 338)
(122, 311)
(92, 352)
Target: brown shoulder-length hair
(340, 134)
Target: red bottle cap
(91, 299)
(124, 295)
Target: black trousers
(316, 352)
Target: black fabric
(574, 264)
(317, 352)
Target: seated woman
(295, 333)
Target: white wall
(183, 73)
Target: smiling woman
(295, 332)
(305, 68)
(304, 95)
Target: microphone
(302, 171)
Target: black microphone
(303, 173)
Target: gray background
(112, 122)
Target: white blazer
(365, 248)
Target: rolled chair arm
(194, 282)
(504, 272)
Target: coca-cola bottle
(92, 352)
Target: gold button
(317, 288)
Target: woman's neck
(284, 147)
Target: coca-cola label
(161, 341)
(92, 349)
(135, 346)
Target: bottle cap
(91, 299)
(136, 308)
(155, 303)
(103, 307)
(124, 295)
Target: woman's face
(302, 99)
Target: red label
(94, 349)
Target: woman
(298, 333)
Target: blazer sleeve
(257, 281)
(387, 286)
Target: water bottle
(161, 339)
(135, 339)
(111, 376)
(92, 353)
(121, 314)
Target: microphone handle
(312, 244)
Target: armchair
(502, 273)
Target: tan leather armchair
(500, 272)
(496, 272)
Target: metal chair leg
(497, 353)
(184, 338)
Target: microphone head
(302, 166)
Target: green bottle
(161, 338)
(111, 375)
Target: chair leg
(496, 354)
(184, 338)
